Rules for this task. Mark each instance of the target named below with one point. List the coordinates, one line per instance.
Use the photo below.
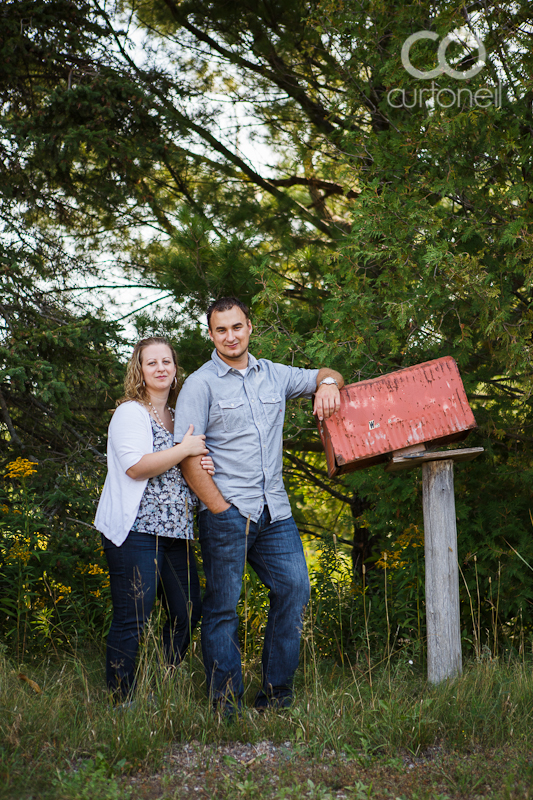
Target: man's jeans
(142, 568)
(274, 550)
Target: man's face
(230, 333)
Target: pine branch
(328, 186)
(9, 422)
(305, 446)
(68, 427)
(332, 232)
(304, 467)
(280, 73)
(324, 536)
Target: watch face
(328, 380)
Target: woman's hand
(153, 464)
(193, 445)
(207, 464)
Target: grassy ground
(350, 734)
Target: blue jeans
(142, 568)
(274, 550)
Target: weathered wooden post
(393, 418)
(442, 574)
(440, 549)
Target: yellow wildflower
(91, 569)
(410, 536)
(19, 551)
(392, 559)
(20, 468)
(61, 590)
(64, 590)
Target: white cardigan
(129, 439)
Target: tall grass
(64, 722)
(361, 691)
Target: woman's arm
(152, 464)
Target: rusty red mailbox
(411, 408)
(396, 418)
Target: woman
(146, 515)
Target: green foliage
(377, 237)
(60, 373)
(53, 581)
(90, 781)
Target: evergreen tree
(389, 227)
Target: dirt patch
(269, 770)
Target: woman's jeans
(142, 568)
(274, 550)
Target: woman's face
(158, 368)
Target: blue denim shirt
(242, 418)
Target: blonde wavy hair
(134, 388)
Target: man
(238, 402)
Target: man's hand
(327, 401)
(217, 505)
(327, 397)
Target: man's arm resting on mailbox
(327, 397)
(206, 490)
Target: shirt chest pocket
(234, 415)
(273, 408)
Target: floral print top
(167, 503)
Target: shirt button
(253, 401)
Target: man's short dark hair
(225, 304)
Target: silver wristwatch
(328, 381)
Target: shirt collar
(223, 368)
